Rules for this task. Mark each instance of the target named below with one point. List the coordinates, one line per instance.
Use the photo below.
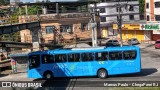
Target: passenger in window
(90, 56)
(63, 58)
(113, 56)
(59, 58)
(133, 55)
(77, 57)
(127, 56)
(105, 57)
(71, 57)
(84, 56)
(99, 58)
(45, 60)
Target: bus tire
(102, 73)
(48, 75)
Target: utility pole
(119, 20)
(120, 23)
(94, 26)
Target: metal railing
(63, 16)
(11, 20)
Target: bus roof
(79, 50)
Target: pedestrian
(13, 65)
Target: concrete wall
(21, 63)
(155, 37)
(111, 11)
(77, 30)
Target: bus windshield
(34, 61)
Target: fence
(10, 20)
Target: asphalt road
(150, 59)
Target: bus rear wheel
(102, 73)
(48, 75)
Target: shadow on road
(155, 55)
(3, 75)
(71, 83)
(147, 46)
(144, 72)
(57, 84)
(4, 72)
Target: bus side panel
(56, 68)
(114, 67)
(126, 66)
(101, 65)
(138, 60)
(59, 70)
(34, 73)
(74, 69)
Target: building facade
(130, 15)
(152, 8)
(62, 26)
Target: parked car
(157, 44)
(112, 43)
(133, 41)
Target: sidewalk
(145, 45)
(15, 77)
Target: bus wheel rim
(102, 74)
(48, 76)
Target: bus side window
(101, 56)
(77, 57)
(64, 58)
(74, 57)
(84, 57)
(105, 55)
(87, 56)
(47, 59)
(115, 55)
(60, 58)
(70, 57)
(129, 55)
(91, 56)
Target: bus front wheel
(48, 75)
(102, 73)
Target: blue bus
(99, 61)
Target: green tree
(141, 6)
(4, 2)
(32, 10)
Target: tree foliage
(141, 6)
(32, 10)
(4, 2)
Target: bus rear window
(101, 56)
(60, 58)
(87, 56)
(47, 59)
(34, 61)
(115, 55)
(129, 55)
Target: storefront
(107, 31)
(104, 32)
(134, 31)
(155, 28)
